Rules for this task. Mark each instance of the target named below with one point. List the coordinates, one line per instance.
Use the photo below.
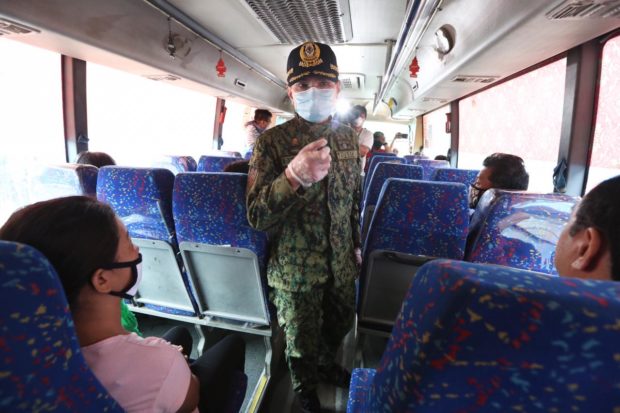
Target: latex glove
(311, 164)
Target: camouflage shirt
(313, 231)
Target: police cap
(311, 59)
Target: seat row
(480, 337)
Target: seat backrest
(142, 198)
(421, 218)
(224, 256)
(429, 166)
(464, 176)
(376, 160)
(65, 180)
(42, 365)
(176, 164)
(474, 337)
(385, 170)
(413, 222)
(413, 158)
(519, 229)
(211, 163)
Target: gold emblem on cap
(310, 55)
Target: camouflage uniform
(313, 233)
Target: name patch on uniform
(344, 143)
(342, 155)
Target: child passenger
(98, 265)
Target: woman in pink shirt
(98, 265)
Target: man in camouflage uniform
(304, 190)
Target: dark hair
(262, 114)
(507, 171)
(97, 159)
(358, 110)
(238, 166)
(377, 134)
(376, 144)
(441, 158)
(600, 209)
(77, 234)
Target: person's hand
(311, 164)
(358, 256)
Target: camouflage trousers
(314, 323)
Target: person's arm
(192, 397)
(388, 148)
(363, 150)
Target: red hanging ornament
(220, 67)
(414, 68)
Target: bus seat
(42, 365)
(518, 229)
(413, 158)
(210, 163)
(383, 171)
(429, 166)
(376, 160)
(224, 256)
(176, 164)
(142, 198)
(479, 337)
(65, 180)
(248, 155)
(413, 222)
(464, 176)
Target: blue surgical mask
(315, 105)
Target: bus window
(135, 119)
(233, 131)
(32, 125)
(522, 116)
(605, 158)
(436, 139)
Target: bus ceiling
(401, 58)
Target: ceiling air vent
(168, 77)
(351, 81)
(583, 9)
(293, 22)
(474, 79)
(10, 28)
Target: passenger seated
(98, 159)
(589, 245)
(441, 158)
(502, 171)
(238, 166)
(88, 246)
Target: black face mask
(136, 275)
(475, 192)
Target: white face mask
(315, 105)
(357, 122)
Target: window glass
(523, 117)
(32, 131)
(436, 139)
(605, 158)
(136, 120)
(233, 131)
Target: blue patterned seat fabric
(212, 163)
(376, 160)
(42, 369)
(176, 164)
(65, 180)
(142, 198)
(429, 166)
(210, 208)
(385, 170)
(464, 176)
(411, 159)
(421, 218)
(519, 229)
(487, 338)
